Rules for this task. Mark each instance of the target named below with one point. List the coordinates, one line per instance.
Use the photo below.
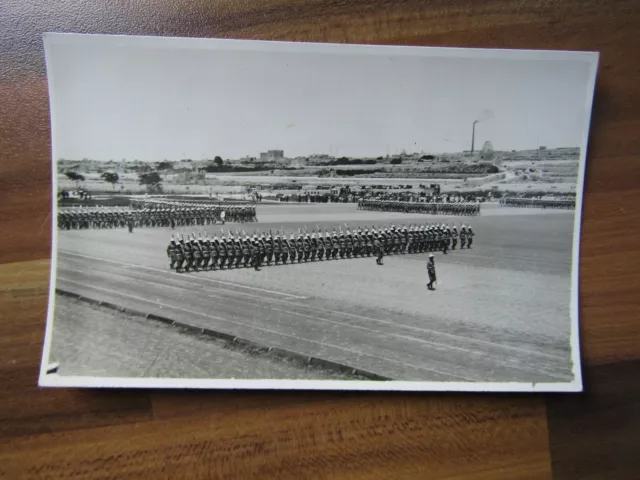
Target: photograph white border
(124, 41)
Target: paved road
(501, 311)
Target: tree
(395, 161)
(218, 161)
(74, 176)
(165, 165)
(111, 178)
(152, 181)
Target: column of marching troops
(245, 251)
(569, 204)
(173, 216)
(220, 211)
(469, 209)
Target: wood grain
(151, 434)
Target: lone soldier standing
(431, 271)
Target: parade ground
(500, 311)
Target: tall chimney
(473, 136)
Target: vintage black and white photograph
(258, 214)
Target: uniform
(197, 254)
(431, 272)
(379, 250)
(171, 253)
(205, 254)
(215, 253)
(470, 236)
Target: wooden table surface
(65, 433)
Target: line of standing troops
(569, 204)
(117, 217)
(431, 208)
(229, 251)
(202, 213)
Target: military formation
(242, 250)
(183, 215)
(468, 209)
(564, 203)
(209, 213)
(85, 218)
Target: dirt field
(96, 341)
(500, 311)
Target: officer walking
(431, 271)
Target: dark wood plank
(330, 436)
(26, 409)
(595, 435)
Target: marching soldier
(188, 254)
(231, 254)
(268, 243)
(348, 243)
(222, 251)
(368, 239)
(470, 236)
(335, 245)
(342, 245)
(237, 250)
(258, 252)
(246, 251)
(300, 247)
(445, 238)
(285, 249)
(378, 249)
(313, 243)
(206, 252)
(397, 243)
(197, 253)
(293, 251)
(214, 250)
(180, 256)
(277, 248)
(171, 253)
(321, 247)
(262, 251)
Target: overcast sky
(153, 103)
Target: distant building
(189, 177)
(184, 165)
(272, 156)
(319, 158)
(298, 162)
(487, 151)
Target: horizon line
(318, 154)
